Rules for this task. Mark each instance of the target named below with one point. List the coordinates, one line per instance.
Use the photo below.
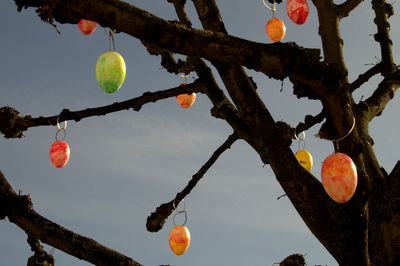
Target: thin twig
(157, 219)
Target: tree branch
(363, 78)
(309, 121)
(12, 125)
(383, 11)
(345, 8)
(277, 60)
(19, 210)
(157, 219)
(382, 95)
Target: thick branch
(12, 125)
(383, 94)
(157, 219)
(277, 60)
(348, 6)
(19, 211)
(363, 78)
(383, 11)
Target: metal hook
(58, 123)
(175, 207)
(61, 130)
(184, 212)
(273, 8)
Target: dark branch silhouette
(157, 219)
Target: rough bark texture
(364, 231)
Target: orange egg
(276, 29)
(179, 239)
(339, 177)
(186, 100)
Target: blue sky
(126, 164)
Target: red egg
(87, 27)
(339, 177)
(276, 29)
(59, 153)
(297, 11)
(179, 239)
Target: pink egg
(59, 153)
(87, 27)
(297, 11)
(339, 177)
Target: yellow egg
(110, 71)
(305, 159)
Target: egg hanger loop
(179, 211)
(185, 76)
(110, 37)
(273, 8)
(336, 141)
(61, 129)
(184, 212)
(58, 123)
(175, 207)
(300, 139)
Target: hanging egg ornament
(59, 153)
(87, 27)
(305, 159)
(110, 71)
(339, 177)
(276, 29)
(297, 11)
(186, 100)
(179, 239)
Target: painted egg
(59, 153)
(110, 71)
(339, 177)
(179, 239)
(87, 27)
(276, 29)
(305, 159)
(186, 100)
(297, 11)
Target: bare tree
(363, 231)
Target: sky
(123, 165)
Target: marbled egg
(179, 239)
(339, 177)
(87, 27)
(297, 11)
(59, 153)
(276, 29)
(110, 71)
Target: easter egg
(59, 153)
(305, 159)
(339, 177)
(110, 71)
(186, 100)
(276, 29)
(179, 239)
(87, 27)
(297, 11)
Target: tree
(363, 231)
